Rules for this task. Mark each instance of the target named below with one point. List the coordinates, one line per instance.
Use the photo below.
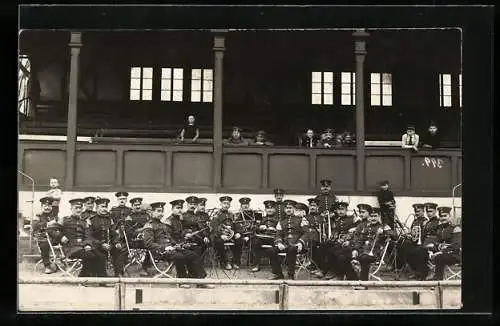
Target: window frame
(352, 88)
(202, 91)
(380, 88)
(171, 90)
(322, 84)
(142, 80)
(442, 86)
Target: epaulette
(457, 229)
(148, 225)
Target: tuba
(227, 233)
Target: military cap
(302, 206)
(236, 128)
(76, 201)
(430, 205)
(177, 202)
(100, 201)
(410, 127)
(46, 200)
(269, 203)
(290, 202)
(341, 204)
(418, 206)
(121, 194)
(312, 200)
(202, 201)
(192, 200)
(244, 200)
(375, 210)
(278, 191)
(157, 204)
(326, 182)
(136, 200)
(444, 210)
(365, 207)
(225, 198)
(384, 182)
(53, 224)
(328, 130)
(89, 199)
(261, 132)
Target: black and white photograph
(240, 169)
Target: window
(201, 85)
(141, 84)
(322, 87)
(445, 90)
(381, 89)
(171, 84)
(24, 74)
(460, 89)
(348, 81)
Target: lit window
(24, 74)
(445, 90)
(201, 85)
(460, 89)
(171, 84)
(141, 84)
(348, 81)
(381, 89)
(322, 88)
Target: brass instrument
(416, 234)
(122, 227)
(227, 233)
(197, 232)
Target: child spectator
(339, 140)
(309, 139)
(236, 139)
(348, 140)
(431, 139)
(55, 193)
(387, 204)
(260, 139)
(190, 131)
(327, 140)
(410, 139)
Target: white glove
(87, 248)
(224, 237)
(188, 235)
(262, 227)
(299, 246)
(106, 246)
(169, 248)
(281, 246)
(64, 239)
(354, 253)
(237, 236)
(206, 240)
(118, 246)
(246, 239)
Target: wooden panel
(192, 169)
(95, 168)
(242, 170)
(340, 169)
(380, 168)
(459, 170)
(431, 173)
(143, 168)
(289, 171)
(42, 164)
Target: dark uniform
(409, 248)
(387, 204)
(291, 231)
(87, 213)
(193, 222)
(429, 233)
(316, 235)
(326, 200)
(201, 214)
(40, 232)
(265, 234)
(280, 204)
(120, 212)
(448, 246)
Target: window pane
(346, 77)
(328, 88)
(346, 89)
(375, 89)
(178, 84)
(195, 96)
(147, 95)
(446, 90)
(316, 99)
(375, 78)
(447, 101)
(147, 83)
(328, 77)
(316, 77)
(327, 99)
(386, 78)
(166, 95)
(446, 79)
(375, 100)
(166, 73)
(207, 97)
(165, 84)
(316, 88)
(196, 74)
(135, 83)
(207, 85)
(178, 73)
(387, 100)
(147, 72)
(460, 79)
(208, 74)
(346, 100)
(177, 96)
(196, 84)
(386, 89)
(135, 72)
(135, 94)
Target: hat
(53, 224)
(269, 203)
(244, 200)
(430, 205)
(302, 206)
(76, 201)
(290, 202)
(157, 204)
(365, 207)
(312, 200)
(89, 199)
(225, 198)
(418, 206)
(444, 210)
(121, 194)
(384, 182)
(261, 132)
(46, 200)
(136, 200)
(278, 191)
(341, 204)
(192, 200)
(100, 201)
(432, 123)
(326, 182)
(410, 127)
(236, 128)
(328, 130)
(202, 201)
(177, 202)
(375, 210)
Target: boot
(256, 268)
(291, 276)
(228, 267)
(278, 277)
(236, 266)
(48, 270)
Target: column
(75, 45)
(360, 51)
(219, 48)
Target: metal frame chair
(379, 262)
(68, 266)
(454, 274)
(136, 256)
(161, 272)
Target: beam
(75, 45)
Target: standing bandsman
(280, 204)
(429, 233)
(226, 231)
(89, 210)
(290, 239)
(316, 236)
(265, 233)
(326, 199)
(122, 210)
(246, 218)
(201, 212)
(40, 232)
(418, 224)
(195, 228)
(387, 203)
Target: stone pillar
(75, 45)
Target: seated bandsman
(429, 233)
(227, 231)
(195, 229)
(74, 240)
(120, 211)
(290, 239)
(265, 233)
(316, 235)
(89, 210)
(164, 242)
(247, 218)
(327, 140)
(40, 232)
(201, 212)
(448, 247)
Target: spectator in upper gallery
(309, 139)
(260, 139)
(190, 131)
(236, 139)
(349, 139)
(339, 140)
(410, 139)
(432, 138)
(327, 140)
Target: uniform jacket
(224, 218)
(74, 228)
(98, 229)
(87, 214)
(291, 230)
(40, 227)
(449, 234)
(326, 202)
(157, 236)
(192, 222)
(133, 225)
(384, 196)
(247, 220)
(341, 228)
(316, 224)
(175, 229)
(429, 234)
(365, 234)
(120, 212)
(269, 221)
(415, 224)
(280, 209)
